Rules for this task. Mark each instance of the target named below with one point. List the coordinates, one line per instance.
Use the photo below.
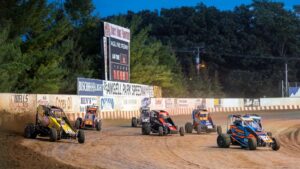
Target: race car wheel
(223, 140)
(160, 131)
(80, 136)
(29, 131)
(269, 134)
(133, 122)
(219, 130)
(53, 134)
(98, 125)
(146, 129)
(198, 129)
(275, 145)
(188, 127)
(78, 123)
(181, 131)
(252, 143)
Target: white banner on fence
(111, 88)
(107, 103)
(87, 101)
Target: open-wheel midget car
(246, 131)
(161, 123)
(90, 120)
(51, 121)
(202, 122)
(144, 117)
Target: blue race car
(202, 122)
(246, 131)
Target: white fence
(122, 107)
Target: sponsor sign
(126, 89)
(89, 87)
(294, 91)
(251, 102)
(107, 103)
(87, 101)
(117, 32)
(169, 103)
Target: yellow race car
(52, 121)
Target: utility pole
(198, 60)
(286, 80)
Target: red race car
(160, 122)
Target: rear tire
(29, 131)
(133, 122)
(223, 140)
(181, 131)
(219, 130)
(188, 127)
(80, 136)
(252, 143)
(275, 145)
(160, 131)
(53, 134)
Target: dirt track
(120, 146)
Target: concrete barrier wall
(127, 107)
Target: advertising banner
(87, 101)
(89, 87)
(111, 88)
(117, 32)
(294, 91)
(251, 102)
(107, 103)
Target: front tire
(78, 123)
(276, 145)
(146, 129)
(181, 131)
(160, 131)
(29, 131)
(252, 143)
(98, 125)
(53, 134)
(223, 140)
(80, 136)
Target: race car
(202, 122)
(160, 122)
(51, 121)
(90, 120)
(144, 113)
(144, 117)
(246, 131)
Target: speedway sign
(111, 88)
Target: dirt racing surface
(120, 146)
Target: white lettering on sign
(126, 89)
(89, 86)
